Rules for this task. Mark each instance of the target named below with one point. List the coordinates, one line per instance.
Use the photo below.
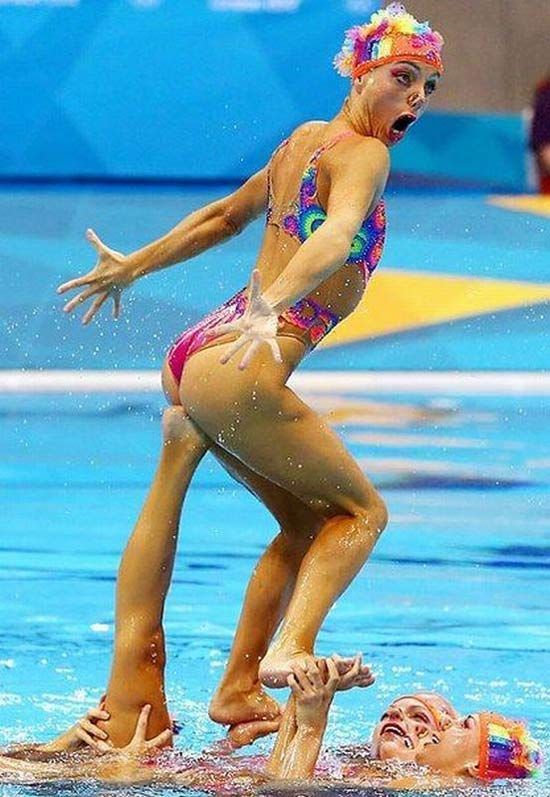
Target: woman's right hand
(258, 325)
(84, 732)
(87, 732)
(112, 274)
(313, 685)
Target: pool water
(454, 599)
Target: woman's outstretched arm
(196, 233)
(313, 685)
(204, 228)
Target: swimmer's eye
(404, 78)
(421, 717)
(466, 722)
(430, 88)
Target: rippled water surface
(455, 598)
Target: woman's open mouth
(400, 126)
(392, 727)
(396, 730)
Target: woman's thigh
(255, 417)
(290, 512)
(293, 516)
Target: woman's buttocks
(206, 382)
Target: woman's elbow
(231, 220)
(339, 248)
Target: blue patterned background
(176, 89)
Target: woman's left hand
(140, 746)
(258, 325)
(83, 732)
(359, 675)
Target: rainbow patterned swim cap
(506, 749)
(392, 34)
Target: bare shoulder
(360, 154)
(303, 134)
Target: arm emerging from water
(313, 686)
(201, 230)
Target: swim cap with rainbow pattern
(391, 34)
(506, 749)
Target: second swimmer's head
(395, 64)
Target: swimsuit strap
(308, 187)
(281, 146)
(328, 145)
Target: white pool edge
(508, 383)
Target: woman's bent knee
(373, 516)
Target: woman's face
(404, 729)
(390, 98)
(454, 751)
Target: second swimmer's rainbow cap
(391, 34)
(506, 749)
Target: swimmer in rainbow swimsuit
(321, 193)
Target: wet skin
(404, 729)
(457, 752)
(392, 92)
(427, 730)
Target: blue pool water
(455, 598)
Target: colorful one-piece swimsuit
(307, 315)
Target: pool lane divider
(498, 383)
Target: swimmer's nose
(417, 101)
(395, 713)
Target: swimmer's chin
(390, 749)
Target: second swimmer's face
(456, 751)
(393, 96)
(426, 729)
(403, 730)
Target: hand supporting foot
(277, 665)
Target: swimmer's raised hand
(313, 685)
(258, 325)
(112, 273)
(140, 746)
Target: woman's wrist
(65, 741)
(138, 264)
(312, 726)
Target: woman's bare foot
(277, 665)
(234, 707)
(248, 732)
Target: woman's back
(298, 192)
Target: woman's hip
(307, 322)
